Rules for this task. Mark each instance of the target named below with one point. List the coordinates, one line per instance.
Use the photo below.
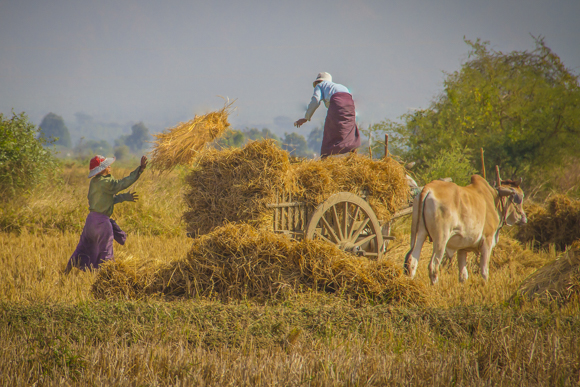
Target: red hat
(99, 164)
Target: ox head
(514, 210)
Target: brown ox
(462, 219)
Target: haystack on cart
(343, 219)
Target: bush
(454, 163)
(24, 162)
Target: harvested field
(557, 222)
(235, 185)
(239, 262)
(54, 331)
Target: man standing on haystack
(96, 243)
(341, 134)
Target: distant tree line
(54, 130)
(296, 144)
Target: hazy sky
(161, 62)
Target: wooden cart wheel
(347, 221)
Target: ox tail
(416, 222)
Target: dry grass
(211, 344)
(180, 145)
(33, 265)
(235, 185)
(63, 207)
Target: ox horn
(519, 181)
(502, 191)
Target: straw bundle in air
(239, 261)
(558, 281)
(180, 144)
(556, 222)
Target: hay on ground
(557, 281)
(509, 252)
(179, 145)
(235, 185)
(239, 261)
(557, 222)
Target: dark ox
(462, 219)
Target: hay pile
(557, 222)
(179, 145)
(239, 261)
(557, 281)
(235, 185)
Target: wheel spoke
(337, 223)
(359, 230)
(363, 241)
(345, 223)
(329, 228)
(353, 220)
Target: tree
(53, 127)
(315, 139)
(523, 108)
(138, 138)
(296, 145)
(24, 162)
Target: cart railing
(289, 215)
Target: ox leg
(485, 250)
(462, 264)
(412, 258)
(438, 252)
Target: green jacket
(102, 191)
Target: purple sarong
(340, 131)
(96, 243)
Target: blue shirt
(322, 92)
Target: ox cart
(343, 219)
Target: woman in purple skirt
(96, 243)
(341, 133)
